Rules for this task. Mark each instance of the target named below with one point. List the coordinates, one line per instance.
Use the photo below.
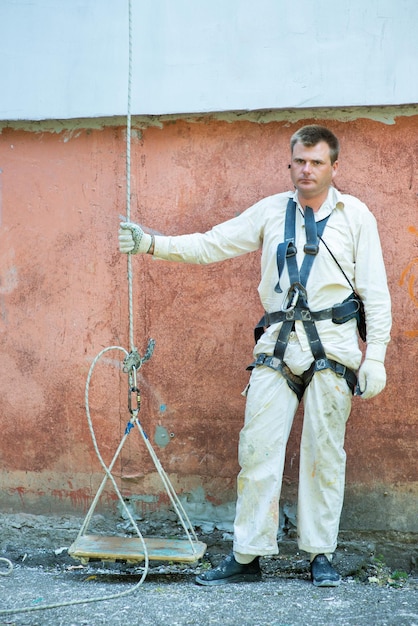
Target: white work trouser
(270, 410)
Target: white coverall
(352, 236)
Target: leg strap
(338, 368)
(298, 384)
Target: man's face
(311, 170)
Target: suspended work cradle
(87, 547)
(133, 549)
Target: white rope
(128, 179)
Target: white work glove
(371, 378)
(132, 239)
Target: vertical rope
(128, 177)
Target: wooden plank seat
(131, 549)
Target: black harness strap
(296, 383)
(297, 296)
(339, 313)
(297, 308)
(287, 249)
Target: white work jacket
(352, 236)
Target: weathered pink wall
(63, 298)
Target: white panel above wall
(63, 58)
(69, 58)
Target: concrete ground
(174, 599)
(371, 593)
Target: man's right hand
(133, 240)
(371, 378)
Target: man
(318, 247)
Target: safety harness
(295, 307)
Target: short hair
(311, 135)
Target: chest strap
(339, 314)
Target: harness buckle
(291, 250)
(311, 248)
(275, 362)
(340, 369)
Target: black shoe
(322, 572)
(230, 571)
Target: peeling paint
(9, 280)
(384, 114)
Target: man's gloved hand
(132, 239)
(371, 378)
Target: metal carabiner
(133, 392)
(291, 305)
(133, 362)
